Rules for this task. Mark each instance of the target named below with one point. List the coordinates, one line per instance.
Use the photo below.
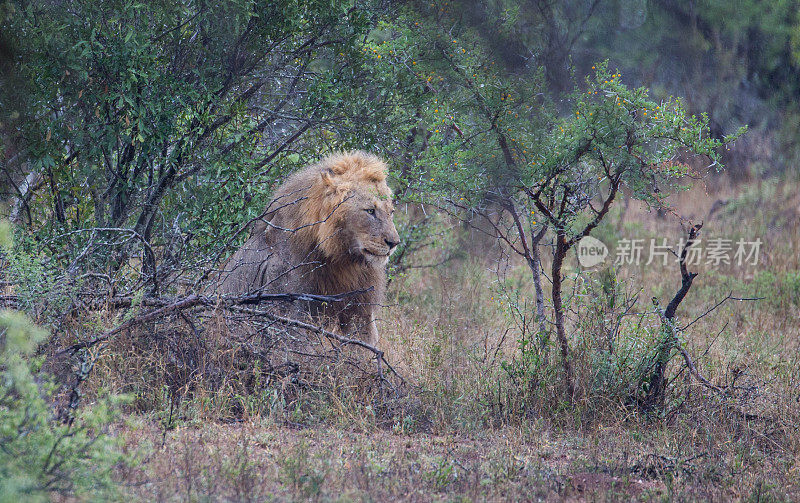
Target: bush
(40, 454)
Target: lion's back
(264, 264)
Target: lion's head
(346, 209)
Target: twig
(330, 335)
(693, 370)
(184, 303)
(718, 304)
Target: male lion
(327, 231)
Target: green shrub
(41, 455)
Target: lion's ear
(327, 178)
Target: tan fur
(327, 231)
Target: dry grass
(258, 461)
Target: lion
(327, 231)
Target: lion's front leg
(359, 325)
(371, 332)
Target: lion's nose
(390, 243)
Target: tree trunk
(657, 378)
(535, 264)
(558, 308)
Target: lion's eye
(371, 211)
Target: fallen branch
(168, 306)
(128, 301)
(191, 301)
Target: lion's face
(367, 227)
